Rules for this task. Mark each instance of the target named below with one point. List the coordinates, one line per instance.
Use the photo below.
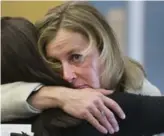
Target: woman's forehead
(67, 41)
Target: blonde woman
(76, 40)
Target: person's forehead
(66, 40)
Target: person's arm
(88, 102)
(14, 100)
(144, 116)
(21, 100)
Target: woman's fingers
(114, 106)
(92, 120)
(111, 103)
(104, 92)
(109, 116)
(94, 107)
(101, 117)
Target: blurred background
(138, 25)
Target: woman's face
(81, 70)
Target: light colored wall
(154, 42)
(31, 10)
(115, 13)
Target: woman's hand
(93, 106)
(90, 104)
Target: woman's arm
(145, 116)
(14, 100)
(87, 101)
(82, 104)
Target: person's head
(76, 39)
(21, 60)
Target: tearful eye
(77, 58)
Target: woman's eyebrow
(73, 50)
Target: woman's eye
(76, 58)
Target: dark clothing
(144, 117)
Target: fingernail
(123, 116)
(105, 131)
(117, 129)
(111, 131)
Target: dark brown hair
(21, 61)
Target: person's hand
(93, 106)
(89, 104)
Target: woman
(83, 69)
(76, 40)
(26, 64)
(23, 35)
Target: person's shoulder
(150, 89)
(147, 89)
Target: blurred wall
(105, 6)
(154, 42)
(31, 10)
(115, 13)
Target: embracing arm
(144, 116)
(23, 102)
(14, 100)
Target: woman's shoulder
(147, 89)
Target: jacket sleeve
(14, 100)
(144, 116)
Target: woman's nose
(69, 73)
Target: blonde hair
(119, 71)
